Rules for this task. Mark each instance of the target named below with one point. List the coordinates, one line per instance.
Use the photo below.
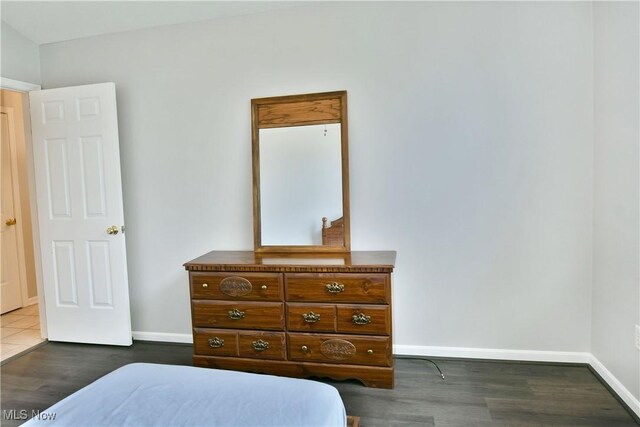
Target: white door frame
(25, 87)
(17, 85)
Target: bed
(143, 394)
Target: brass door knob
(113, 230)
(10, 221)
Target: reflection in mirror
(300, 183)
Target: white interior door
(10, 294)
(80, 214)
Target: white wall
(300, 182)
(20, 56)
(616, 264)
(470, 151)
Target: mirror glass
(300, 183)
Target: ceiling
(54, 21)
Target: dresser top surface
(349, 261)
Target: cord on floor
(428, 360)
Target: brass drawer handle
(304, 348)
(260, 345)
(205, 285)
(310, 317)
(216, 342)
(334, 288)
(236, 314)
(361, 319)
(263, 287)
(369, 351)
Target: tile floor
(20, 331)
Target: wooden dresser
(297, 315)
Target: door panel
(93, 179)
(65, 274)
(79, 194)
(101, 285)
(57, 164)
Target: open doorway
(20, 308)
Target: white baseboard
(615, 384)
(493, 354)
(162, 337)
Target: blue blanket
(143, 394)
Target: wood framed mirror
(301, 173)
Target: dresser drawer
(262, 345)
(311, 317)
(230, 286)
(345, 349)
(322, 287)
(238, 315)
(364, 319)
(215, 342)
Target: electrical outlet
(638, 336)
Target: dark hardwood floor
(474, 393)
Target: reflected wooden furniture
(298, 315)
(333, 235)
